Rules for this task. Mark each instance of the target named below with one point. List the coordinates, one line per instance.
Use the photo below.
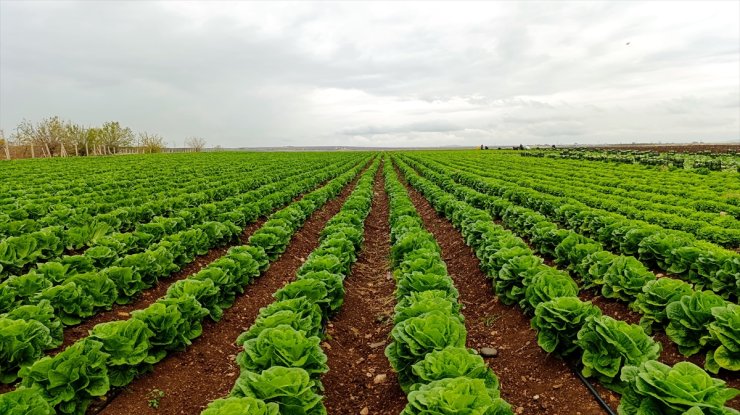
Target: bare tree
(151, 143)
(25, 133)
(196, 143)
(48, 133)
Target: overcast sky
(387, 74)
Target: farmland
(408, 282)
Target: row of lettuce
(631, 202)
(192, 227)
(706, 265)
(127, 229)
(37, 305)
(721, 229)
(695, 320)
(51, 192)
(701, 198)
(282, 361)
(37, 194)
(620, 355)
(115, 352)
(436, 370)
(120, 208)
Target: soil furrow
(360, 376)
(206, 371)
(532, 381)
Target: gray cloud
(246, 74)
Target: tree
(92, 138)
(151, 143)
(48, 134)
(76, 136)
(112, 136)
(5, 143)
(196, 143)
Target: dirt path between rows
(360, 376)
(531, 381)
(207, 370)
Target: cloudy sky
(387, 74)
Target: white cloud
(381, 73)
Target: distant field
(681, 148)
(346, 282)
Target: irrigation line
(591, 389)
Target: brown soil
(147, 297)
(207, 370)
(360, 376)
(531, 381)
(610, 307)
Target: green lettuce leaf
(625, 278)
(70, 380)
(174, 322)
(241, 406)
(655, 297)
(299, 313)
(128, 347)
(655, 388)
(291, 388)
(283, 346)
(546, 285)
(460, 395)
(452, 362)
(25, 401)
(609, 344)
(689, 318)
(724, 339)
(21, 343)
(417, 336)
(558, 321)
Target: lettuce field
(410, 282)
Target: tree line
(53, 137)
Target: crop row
(675, 252)
(693, 319)
(122, 208)
(436, 370)
(724, 230)
(39, 304)
(33, 189)
(197, 229)
(60, 199)
(116, 352)
(621, 356)
(153, 218)
(691, 204)
(692, 187)
(281, 362)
